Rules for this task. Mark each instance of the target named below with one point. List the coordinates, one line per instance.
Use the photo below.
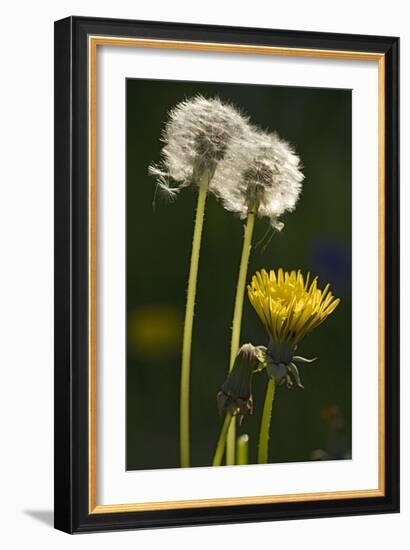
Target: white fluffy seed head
(196, 137)
(259, 172)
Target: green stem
(237, 320)
(220, 447)
(263, 449)
(189, 321)
(242, 449)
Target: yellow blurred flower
(155, 331)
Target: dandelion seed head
(259, 172)
(196, 136)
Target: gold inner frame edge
(93, 42)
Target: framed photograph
(226, 274)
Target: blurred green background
(314, 423)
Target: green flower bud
(236, 392)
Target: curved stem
(220, 447)
(237, 320)
(263, 449)
(189, 321)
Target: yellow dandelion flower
(289, 306)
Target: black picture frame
(72, 277)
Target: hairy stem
(189, 321)
(237, 320)
(220, 447)
(263, 449)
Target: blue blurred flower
(333, 261)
